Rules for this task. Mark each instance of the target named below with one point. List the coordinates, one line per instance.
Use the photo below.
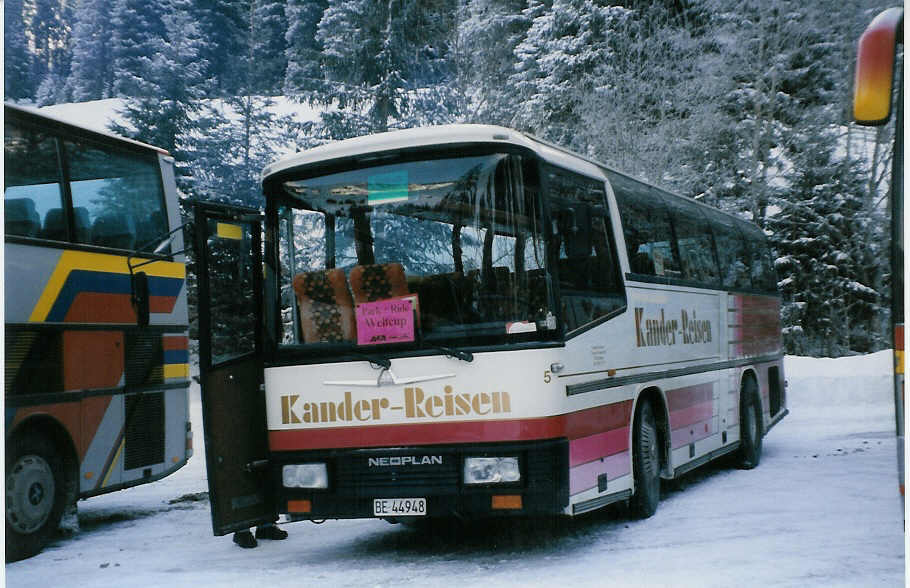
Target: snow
(822, 509)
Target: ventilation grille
(144, 430)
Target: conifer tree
(92, 73)
(488, 33)
(17, 60)
(138, 35)
(225, 26)
(384, 65)
(267, 46)
(304, 51)
(567, 43)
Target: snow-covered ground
(822, 509)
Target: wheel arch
(51, 429)
(750, 374)
(658, 399)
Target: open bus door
(228, 242)
(878, 87)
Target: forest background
(742, 105)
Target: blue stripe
(177, 356)
(79, 281)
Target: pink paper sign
(385, 321)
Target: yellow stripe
(97, 262)
(229, 231)
(176, 370)
(113, 463)
(898, 362)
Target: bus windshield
(429, 252)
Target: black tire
(750, 426)
(35, 495)
(645, 462)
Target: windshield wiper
(374, 360)
(455, 353)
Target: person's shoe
(271, 532)
(245, 539)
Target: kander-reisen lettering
(688, 329)
(417, 404)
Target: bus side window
(120, 193)
(31, 180)
(590, 285)
(763, 276)
(733, 255)
(694, 241)
(646, 226)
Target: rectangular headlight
(491, 470)
(305, 475)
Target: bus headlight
(491, 470)
(305, 475)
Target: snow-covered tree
(138, 36)
(17, 60)
(304, 52)
(384, 65)
(91, 73)
(566, 53)
(488, 33)
(166, 111)
(225, 26)
(267, 46)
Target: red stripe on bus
(694, 414)
(96, 307)
(899, 337)
(574, 425)
(597, 446)
(172, 343)
(681, 398)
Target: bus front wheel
(35, 495)
(750, 426)
(645, 462)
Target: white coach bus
(465, 321)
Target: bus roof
(432, 136)
(38, 113)
(462, 134)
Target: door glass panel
(230, 275)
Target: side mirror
(139, 286)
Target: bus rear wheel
(645, 462)
(750, 426)
(35, 495)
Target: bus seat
(378, 282)
(21, 218)
(54, 225)
(325, 306)
(114, 230)
(83, 226)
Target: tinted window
(117, 196)
(32, 194)
(694, 242)
(763, 276)
(733, 255)
(589, 279)
(646, 226)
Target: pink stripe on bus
(691, 434)
(596, 446)
(584, 477)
